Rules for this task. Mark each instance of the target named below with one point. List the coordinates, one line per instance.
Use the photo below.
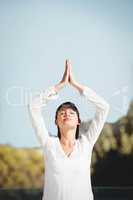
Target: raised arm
(40, 101)
(92, 129)
(35, 112)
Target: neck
(68, 138)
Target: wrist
(59, 86)
(73, 83)
(78, 86)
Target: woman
(68, 156)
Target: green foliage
(21, 167)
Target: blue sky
(37, 36)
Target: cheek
(75, 120)
(59, 120)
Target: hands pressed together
(68, 79)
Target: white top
(68, 177)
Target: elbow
(34, 109)
(107, 108)
(31, 107)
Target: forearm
(39, 126)
(59, 86)
(91, 95)
(93, 127)
(78, 86)
(35, 107)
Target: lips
(67, 119)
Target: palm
(67, 76)
(71, 78)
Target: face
(67, 117)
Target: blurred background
(36, 38)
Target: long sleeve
(35, 112)
(92, 128)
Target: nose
(67, 114)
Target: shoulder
(51, 142)
(83, 140)
(85, 144)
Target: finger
(69, 64)
(70, 68)
(66, 66)
(67, 70)
(66, 62)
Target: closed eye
(72, 113)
